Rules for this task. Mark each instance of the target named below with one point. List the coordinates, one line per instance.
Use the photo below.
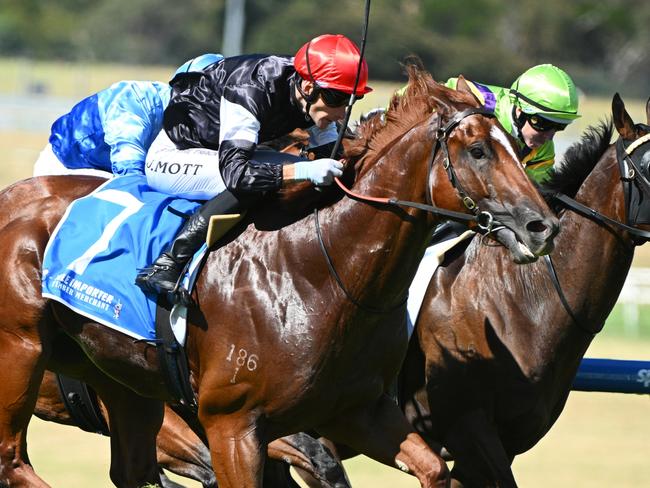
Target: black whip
(348, 112)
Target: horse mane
(421, 98)
(580, 159)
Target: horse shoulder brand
(242, 359)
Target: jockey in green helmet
(541, 102)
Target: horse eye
(477, 153)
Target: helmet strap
(313, 96)
(309, 98)
(519, 120)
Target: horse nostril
(548, 227)
(536, 226)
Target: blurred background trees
(603, 44)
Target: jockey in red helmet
(329, 65)
(216, 118)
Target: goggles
(540, 124)
(335, 98)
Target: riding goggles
(335, 98)
(540, 124)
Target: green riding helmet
(548, 91)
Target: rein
(565, 303)
(630, 172)
(484, 220)
(599, 218)
(627, 175)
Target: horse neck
(591, 262)
(383, 245)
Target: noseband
(483, 219)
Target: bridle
(636, 188)
(484, 220)
(633, 180)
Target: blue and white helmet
(198, 63)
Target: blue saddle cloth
(103, 239)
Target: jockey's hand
(320, 172)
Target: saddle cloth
(433, 256)
(93, 255)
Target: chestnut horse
(179, 448)
(505, 356)
(276, 345)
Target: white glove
(319, 172)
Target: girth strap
(172, 358)
(81, 403)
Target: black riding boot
(163, 275)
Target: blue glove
(319, 172)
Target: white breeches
(48, 164)
(188, 173)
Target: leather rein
(484, 220)
(630, 171)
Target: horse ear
(622, 120)
(463, 86)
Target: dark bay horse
(505, 356)
(275, 345)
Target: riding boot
(164, 274)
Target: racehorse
(179, 448)
(505, 356)
(275, 343)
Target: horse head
(481, 162)
(633, 154)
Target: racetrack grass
(600, 440)
(71, 80)
(19, 152)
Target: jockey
(216, 118)
(109, 133)
(541, 102)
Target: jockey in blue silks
(110, 132)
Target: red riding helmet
(331, 62)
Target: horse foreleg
(237, 449)
(182, 452)
(134, 422)
(480, 457)
(384, 434)
(315, 463)
(22, 364)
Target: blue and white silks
(95, 251)
(113, 129)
